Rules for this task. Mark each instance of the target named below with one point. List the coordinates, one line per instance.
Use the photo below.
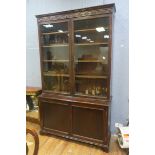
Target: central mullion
(71, 57)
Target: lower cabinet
(77, 121)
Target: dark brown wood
(59, 116)
(109, 56)
(87, 122)
(41, 53)
(70, 58)
(74, 99)
(84, 113)
(102, 9)
(70, 115)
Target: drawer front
(56, 116)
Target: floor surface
(56, 146)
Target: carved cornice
(75, 15)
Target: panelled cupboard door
(56, 117)
(88, 122)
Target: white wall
(120, 71)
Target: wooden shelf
(91, 61)
(94, 29)
(55, 33)
(75, 61)
(56, 91)
(55, 60)
(55, 45)
(89, 95)
(91, 76)
(55, 74)
(81, 44)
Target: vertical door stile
(71, 55)
(41, 54)
(109, 55)
(70, 30)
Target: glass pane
(56, 60)
(56, 33)
(91, 86)
(55, 57)
(56, 83)
(54, 27)
(91, 60)
(91, 31)
(61, 38)
(91, 38)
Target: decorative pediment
(75, 15)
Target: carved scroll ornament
(75, 15)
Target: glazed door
(91, 49)
(55, 47)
